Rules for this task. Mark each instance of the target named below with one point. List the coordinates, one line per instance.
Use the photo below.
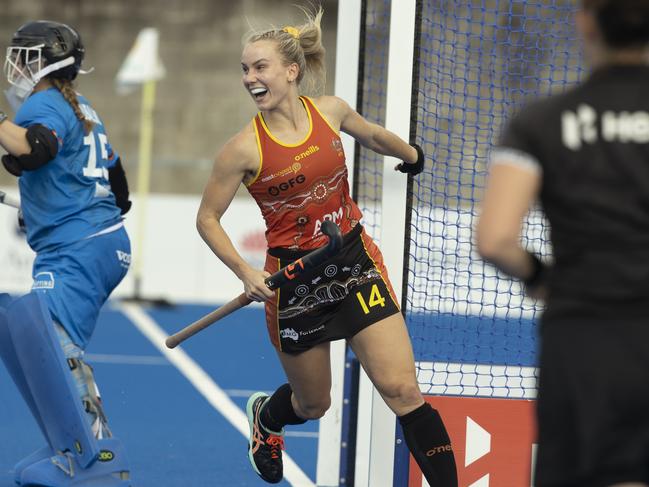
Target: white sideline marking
(157, 360)
(205, 385)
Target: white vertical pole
(347, 51)
(347, 58)
(383, 422)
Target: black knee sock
(429, 443)
(278, 410)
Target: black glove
(12, 165)
(415, 168)
(21, 222)
(123, 204)
(119, 186)
(536, 285)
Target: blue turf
(173, 436)
(445, 337)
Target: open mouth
(258, 93)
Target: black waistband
(289, 254)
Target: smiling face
(266, 76)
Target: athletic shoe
(264, 447)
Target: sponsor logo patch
(124, 258)
(106, 456)
(292, 169)
(286, 185)
(289, 333)
(43, 280)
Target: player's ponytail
(311, 44)
(623, 23)
(67, 90)
(301, 45)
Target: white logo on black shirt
(578, 127)
(584, 126)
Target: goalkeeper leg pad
(63, 470)
(35, 354)
(85, 380)
(8, 355)
(10, 359)
(91, 400)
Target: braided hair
(66, 88)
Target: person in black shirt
(585, 155)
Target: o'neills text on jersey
(311, 150)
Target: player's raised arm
(379, 139)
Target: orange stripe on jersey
(273, 264)
(322, 116)
(261, 156)
(299, 186)
(375, 255)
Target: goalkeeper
(73, 195)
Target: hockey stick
(5, 199)
(275, 281)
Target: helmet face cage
(43, 48)
(23, 63)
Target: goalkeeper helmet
(43, 48)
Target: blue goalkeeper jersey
(69, 198)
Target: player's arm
(13, 137)
(28, 149)
(377, 138)
(512, 188)
(236, 161)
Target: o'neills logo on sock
(311, 150)
(438, 449)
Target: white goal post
(375, 429)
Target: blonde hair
(301, 45)
(67, 90)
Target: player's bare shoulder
(333, 108)
(240, 154)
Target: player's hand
(537, 292)
(413, 168)
(124, 204)
(254, 285)
(537, 284)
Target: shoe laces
(276, 444)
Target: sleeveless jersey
(299, 186)
(69, 198)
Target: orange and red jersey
(299, 186)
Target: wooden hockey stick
(275, 281)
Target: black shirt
(592, 146)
